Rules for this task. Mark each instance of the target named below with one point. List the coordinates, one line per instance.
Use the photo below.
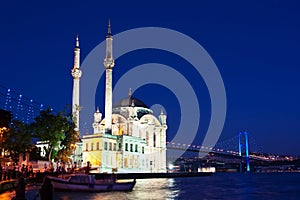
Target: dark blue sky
(254, 44)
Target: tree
(68, 144)
(35, 153)
(58, 131)
(50, 128)
(17, 139)
(5, 118)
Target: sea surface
(229, 186)
(218, 186)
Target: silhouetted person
(30, 171)
(13, 171)
(5, 172)
(46, 190)
(74, 167)
(45, 167)
(23, 169)
(88, 167)
(62, 168)
(0, 172)
(20, 189)
(51, 168)
(9, 172)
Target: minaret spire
(77, 41)
(76, 53)
(108, 28)
(76, 74)
(130, 92)
(109, 64)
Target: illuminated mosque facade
(130, 138)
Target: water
(219, 186)
(229, 186)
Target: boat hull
(65, 185)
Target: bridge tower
(244, 149)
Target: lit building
(130, 138)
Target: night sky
(255, 46)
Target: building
(130, 138)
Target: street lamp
(171, 167)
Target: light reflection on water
(144, 189)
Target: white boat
(88, 183)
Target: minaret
(76, 73)
(109, 64)
(97, 120)
(163, 119)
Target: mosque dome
(130, 101)
(124, 105)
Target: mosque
(130, 138)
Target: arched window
(131, 147)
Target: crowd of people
(61, 168)
(12, 171)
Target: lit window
(125, 162)
(147, 137)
